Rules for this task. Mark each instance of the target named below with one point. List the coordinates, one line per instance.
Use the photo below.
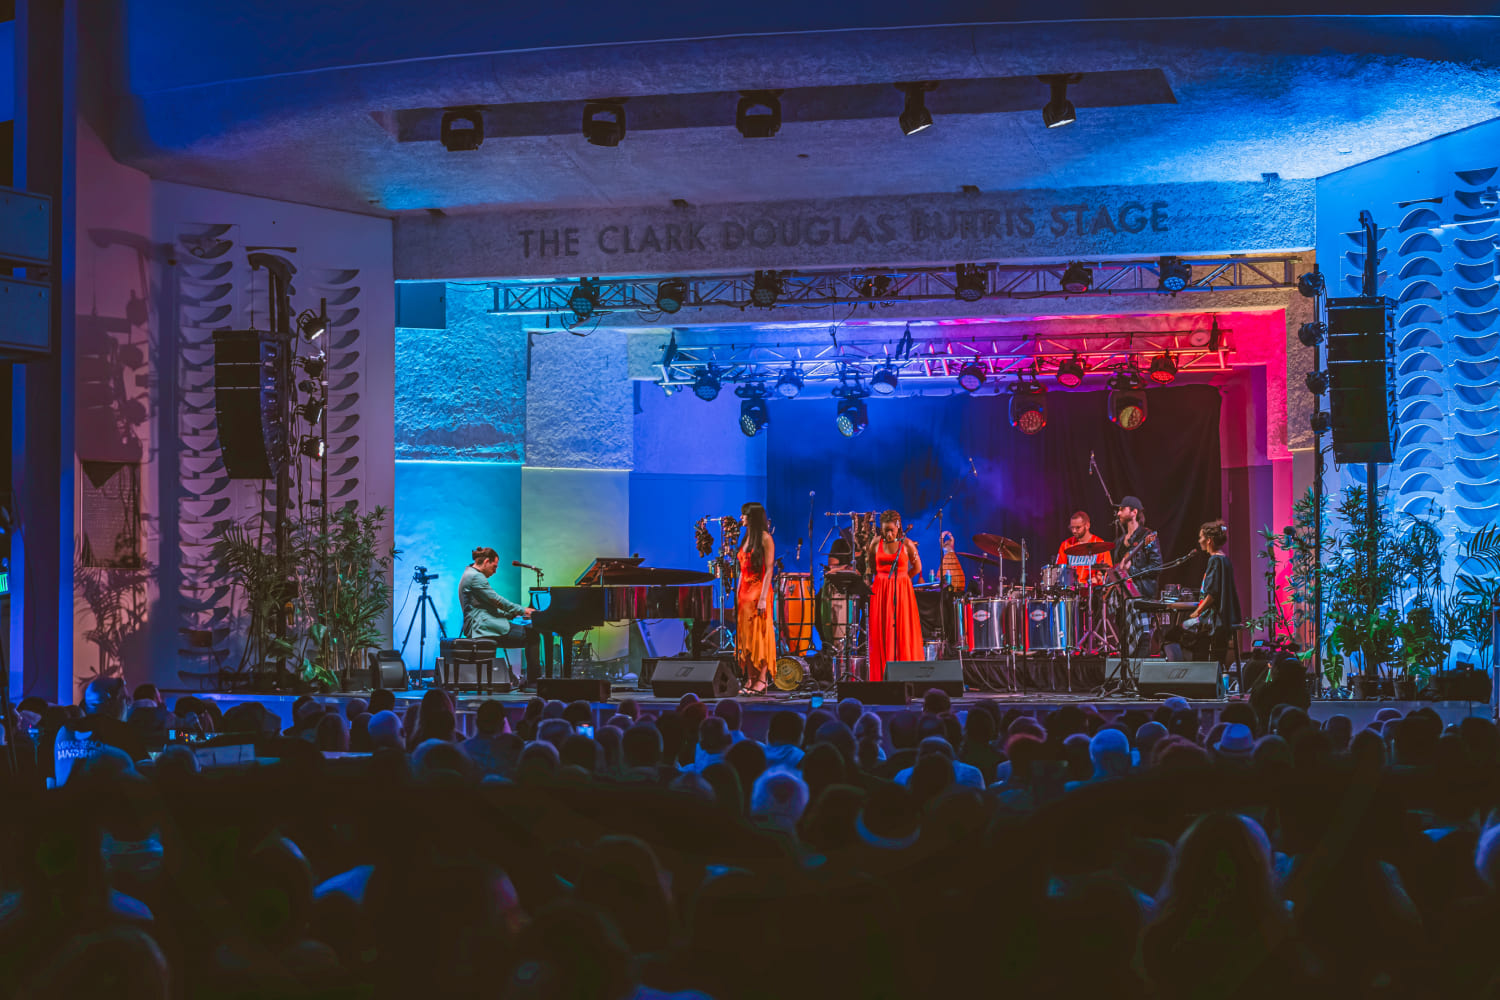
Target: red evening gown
(895, 628)
(755, 634)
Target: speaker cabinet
(923, 675)
(250, 402)
(877, 692)
(704, 678)
(1359, 379)
(1188, 678)
(387, 670)
(572, 689)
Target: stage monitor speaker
(249, 409)
(651, 664)
(387, 670)
(572, 689)
(1359, 373)
(704, 678)
(1188, 678)
(876, 692)
(945, 675)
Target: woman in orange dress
(755, 633)
(895, 628)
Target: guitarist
(1136, 552)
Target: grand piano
(616, 590)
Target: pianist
(487, 615)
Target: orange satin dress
(755, 630)
(895, 627)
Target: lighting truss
(904, 284)
(940, 359)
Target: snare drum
(1056, 577)
(1051, 624)
(795, 608)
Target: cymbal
(999, 546)
(978, 558)
(1087, 549)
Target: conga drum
(796, 607)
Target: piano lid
(603, 565)
(628, 572)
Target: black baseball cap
(1132, 502)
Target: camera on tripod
(422, 577)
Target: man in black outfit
(1136, 553)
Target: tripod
(424, 603)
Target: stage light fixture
(1317, 382)
(1070, 373)
(461, 129)
(314, 366)
(670, 295)
(313, 325)
(758, 115)
(311, 411)
(1310, 285)
(789, 384)
(1127, 403)
(971, 376)
(969, 282)
(1077, 279)
(1028, 407)
(1173, 275)
(309, 386)
(1059, 110)
(1320, 422)
(311, 447)
(1163, 369)
(584, 299)
(604, 122)
(884, 382)
(706, 385)
(754, 415)
(852, 415)
(766, 290)
(1312, 334)
(914, 115)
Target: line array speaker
(1359, 379)
(249, 402)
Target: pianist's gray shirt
(486, 613)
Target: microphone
(799, 548)
(971, 467)
(517, 562)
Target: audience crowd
(373, 851)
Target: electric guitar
(1120, 571)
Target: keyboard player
(487, 615)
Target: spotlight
(585, 299)
(789, 384)
(884, 382)
(314, 366)
(1077, 279)
(1028, 407)
(313, 325)
(914, 116)
(1163, 370)
(706, 385)
(758, 115)
(971, 376)
(311, 447)
(670, 295)
(1210, 338)
(1127, 403)
(766, 290)
(1173, 274)
(1320, 422)
(852, 415)
(1312, 334)
(1310, 284)
(970, 283)
(754, 415)
(311, 411)
(461, 129)
(1059, 110)
(1070, 373)
(604, 122)
(309, 386)
(1317, 382)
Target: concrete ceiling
(1298, 97)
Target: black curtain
(917, 453)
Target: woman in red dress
(895, 628)
(755, 633)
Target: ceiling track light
(1059, 110)
(970, 283)
(914, 115)
(1173, 275)
(1077, 279)
(971, 376)
(604, 122)
(789, 384)
(671, 295)
(766, 289)
(1163, 369)
(1071, 372)
(1028, 407)
(758, 115)
(461, 129)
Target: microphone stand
(1125, 683)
